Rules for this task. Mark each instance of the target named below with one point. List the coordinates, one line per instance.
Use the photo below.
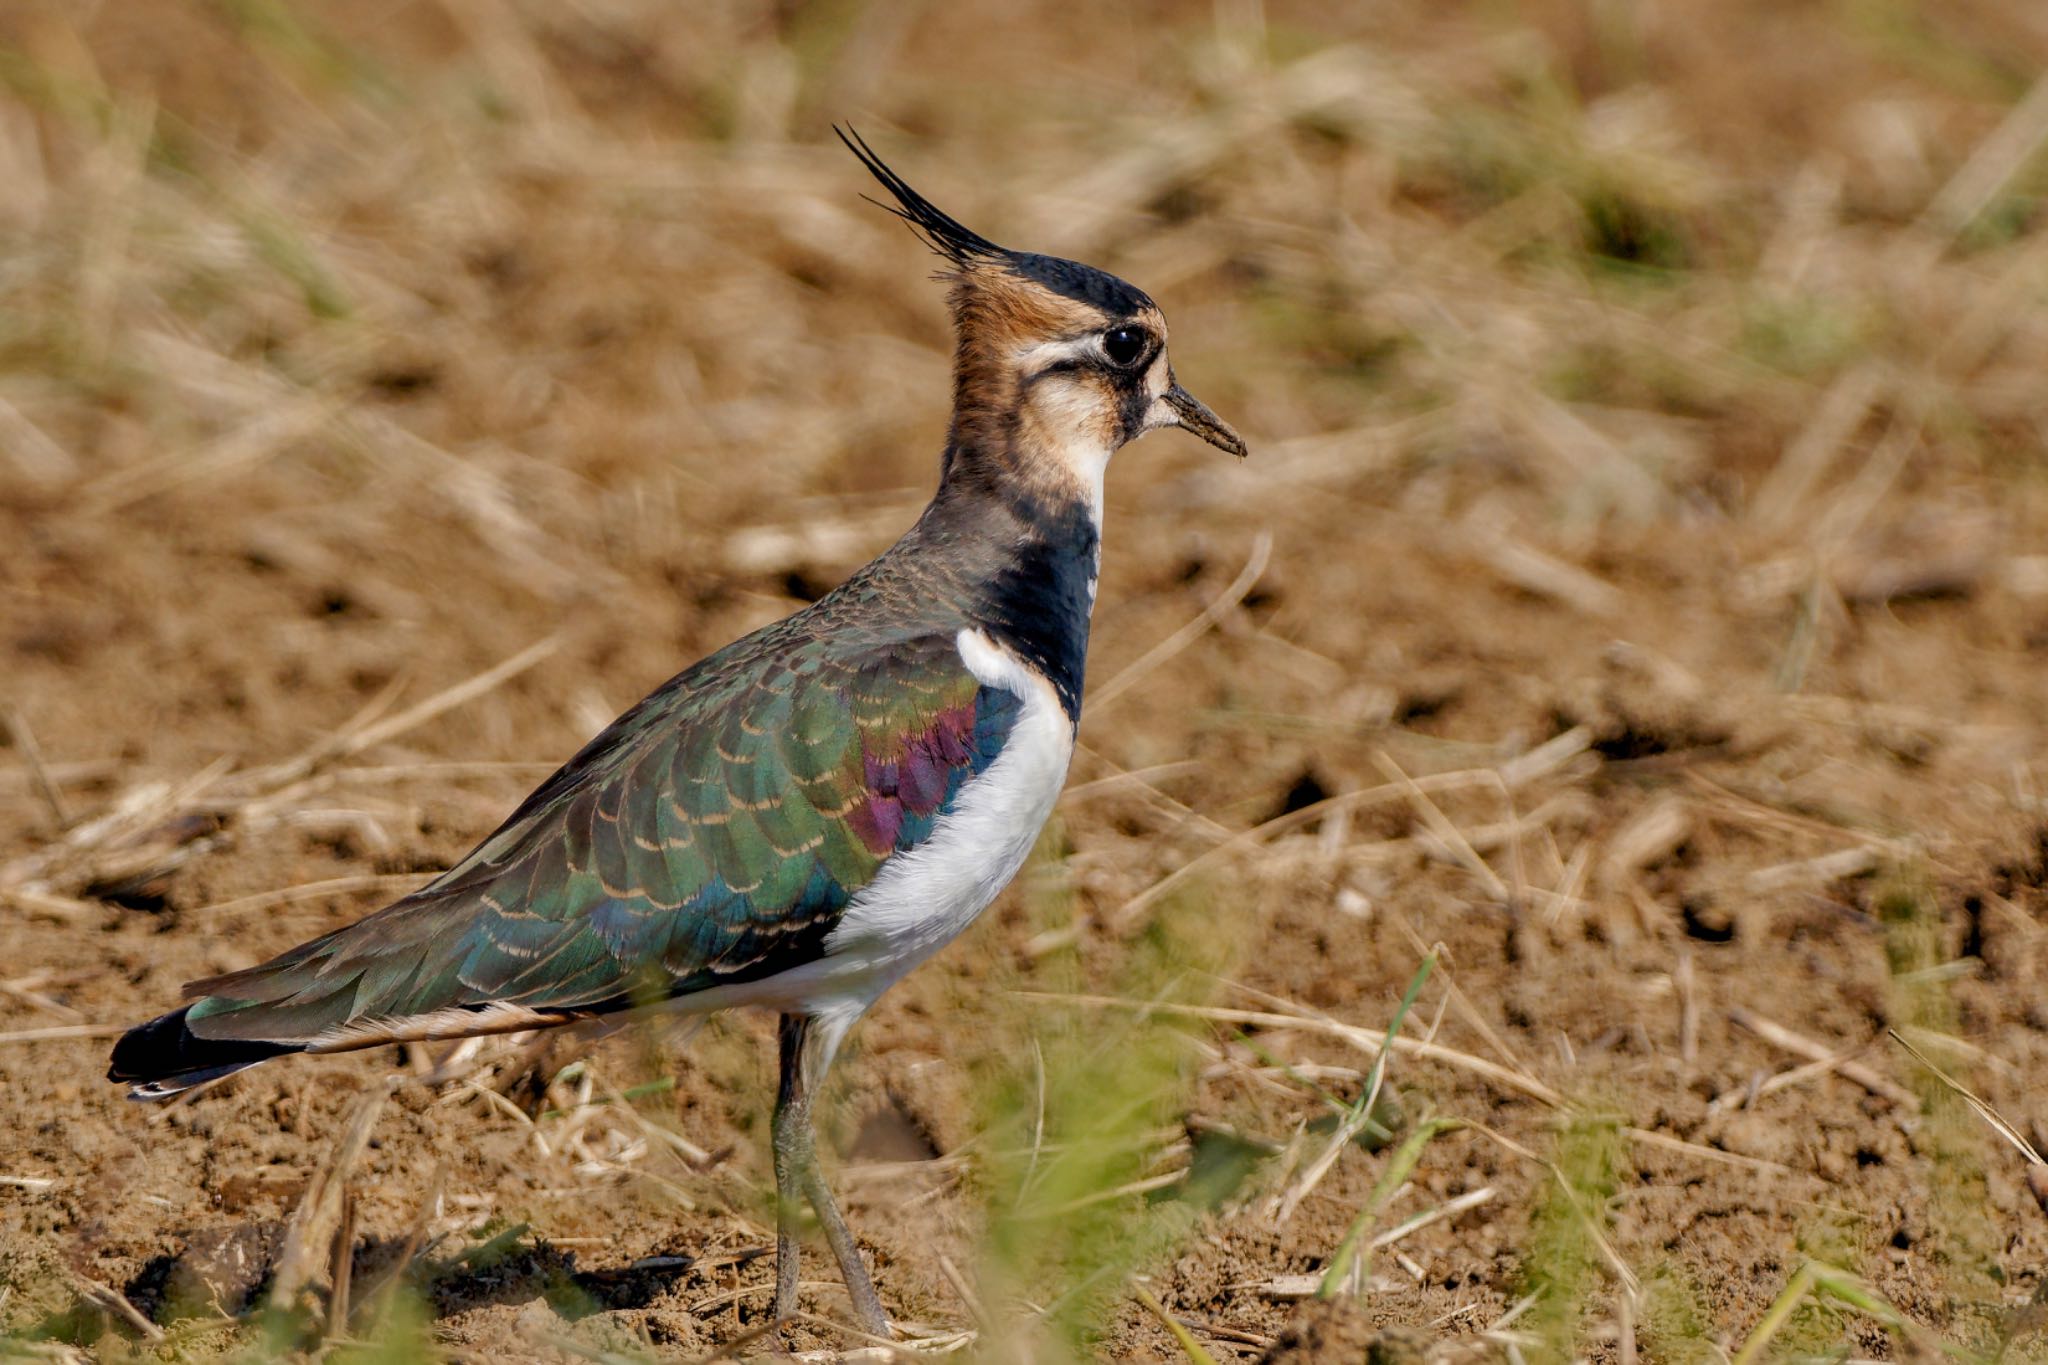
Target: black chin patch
(1132, 405)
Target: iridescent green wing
(714, 834)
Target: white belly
(922, 899)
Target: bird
(800, 818)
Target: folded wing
(714, 834)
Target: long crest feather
(939, 230)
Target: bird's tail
(395, 977)
(164, 1056)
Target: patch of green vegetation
(1800, 336)
(405, 1336)
(1562, 1266)
(1602, 371)
(167, 148)
(1350, 1265)
(1950, 1137)
(2006, 219)
(1819, 1323)
(1905, 33)
(77, 100)
(1815, 1284)
(305, 51)
(1674, 1324)
(395, 1328)
(1077, 1105)
(1630, 234)
(1374, 1119)
(290, 252)
(1333, 335)
(1487, 155)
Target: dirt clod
(220, 1270)
(1328, 1330)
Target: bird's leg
(805, 1055)
(867, 1305)
(791, 1131)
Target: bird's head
(1056, 364)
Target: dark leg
(804, 1060)
(791, 1134)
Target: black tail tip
(164, 1056)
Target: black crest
(966, 248)
(939, 230)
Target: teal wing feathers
(713, 834)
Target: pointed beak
(1192, 414)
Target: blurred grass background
(1665, 375)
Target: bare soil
(609, 382)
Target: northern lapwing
(801, 818)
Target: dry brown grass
(1642, 565)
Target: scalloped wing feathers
(714, 834)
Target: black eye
(1123, 345)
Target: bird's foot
(860, 1289)
(869, 1313)
(860, 1286)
